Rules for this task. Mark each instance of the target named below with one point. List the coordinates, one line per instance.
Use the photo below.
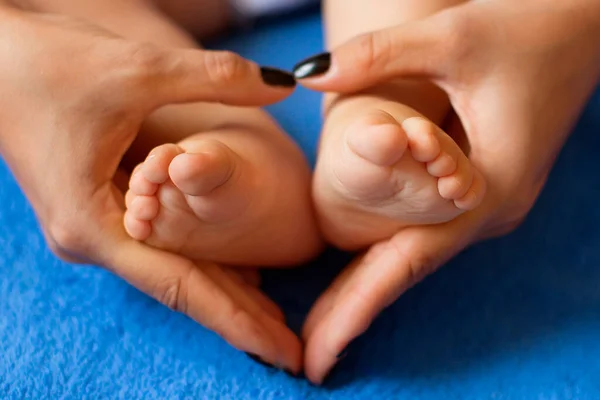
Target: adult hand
(518, 75)
(73, 98)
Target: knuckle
(141, 65)
(419, 263)
(68, 236)
(225, 67)
(374, 49)
(173, 293)
(146, 58)
(422, 265)
(233, 317)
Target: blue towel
(513, 318)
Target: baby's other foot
(383, 167)
(204, 200)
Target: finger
(258, 297)
(291, 359)
(377, 280)
(168, 76)
(250, 276)
(265, 311)
(327, 299)
(249, 280)
(412, 50)
(187, 288)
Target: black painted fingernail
(260, 360)
(277, 77)
(330, 375)
(344, 352)
(313, 66)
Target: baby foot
(383, 167)
(202, 199)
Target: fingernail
(277, 77)
(313, 66)
(342, 354)
(330, 375)
(260, 360)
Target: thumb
(205, 293)
(372, 283)
(412, 50)
(167, 76)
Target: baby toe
(443, 165)
(423, 138)
(136, 228)
(156, 167)
(139, 185)
(129, 196)
(456, 185)
(474, 195)
(144, 207)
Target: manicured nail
(344, 352)
(260, 360)
(330, 375)
(313, 66)
(277, 77)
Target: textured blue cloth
(515, 318)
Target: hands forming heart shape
(516, 75)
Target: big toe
(203, 168)
(377, 138)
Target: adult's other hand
(72, 101)
(518, 75)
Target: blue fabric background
(515, 318)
